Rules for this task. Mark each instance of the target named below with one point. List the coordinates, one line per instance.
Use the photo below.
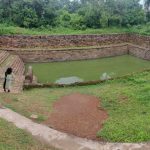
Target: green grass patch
(127, 102)
(140, 29)
(11, 30)
(12, 138)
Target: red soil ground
(79, 115)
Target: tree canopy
(77, 14)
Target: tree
(147, 8)
(73, 13)
(147, 5)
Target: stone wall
(138, 51)
(139, 46)
(60, 41)
(64, 48)
(142, 41)
(43, 48)
(72, 54)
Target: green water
(88, 69)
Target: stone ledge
(62, 49)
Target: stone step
(3, 56)
(18, 66)
(13, 62)
(6, 64)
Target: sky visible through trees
(142, 2)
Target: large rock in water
(29, 75)
(69, 80)
(105, 76)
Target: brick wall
(39, 48)
(72, 54)
(60, 41)
(142, 41)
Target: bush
(138, 27)
(64, 19)
(77, 22)
(114, 21)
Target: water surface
(85, 70)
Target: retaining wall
(72, 54)
(60, 41)
(51, 48)
(138, 51)
(139, 40)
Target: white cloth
(9, 79)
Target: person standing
(4, 85)
(8, 80)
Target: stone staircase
(13, 61)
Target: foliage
(6, 29)
(76, 14)
(11, 30)
(147, 8)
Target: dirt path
(79, 115)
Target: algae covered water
(87, 70)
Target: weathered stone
(51, 48)
(71, 54)
(60, 41)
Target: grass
(127, 102)
(30, 102)
(89, 69)
(12, 138)
(12, 30)
(140, 29)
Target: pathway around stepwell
(61, 140)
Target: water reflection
(69, 80)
